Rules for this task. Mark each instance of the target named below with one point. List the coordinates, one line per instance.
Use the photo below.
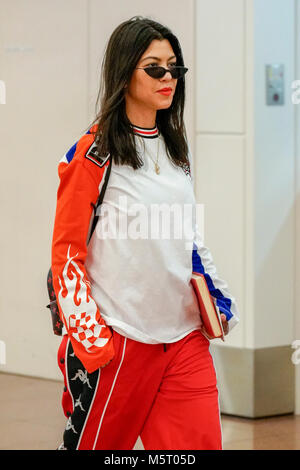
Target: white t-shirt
(139, 273)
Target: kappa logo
(82, 376)
(62, 447)
(70, 426)
(78, 403)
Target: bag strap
(100, 198)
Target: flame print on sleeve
(80, 311)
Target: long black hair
(114, 133)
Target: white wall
(50, 56)
(221, 137)
(245, 163)
(274, 178)
(43, 63)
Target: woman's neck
(145, 120)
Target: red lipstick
(165, 91)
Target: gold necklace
(156, 165)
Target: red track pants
(166, 394)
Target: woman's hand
(224, 324)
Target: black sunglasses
(176, 71)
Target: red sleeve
(91, 338)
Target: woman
(134, 356)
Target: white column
(245, 165)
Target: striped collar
(147, 133)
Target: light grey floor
(31, 418)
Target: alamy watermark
(2, 92)
(2, 353)
(296, 94)
(296, 354)
(154, 221)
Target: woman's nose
(167, 75)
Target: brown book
(209, 314)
